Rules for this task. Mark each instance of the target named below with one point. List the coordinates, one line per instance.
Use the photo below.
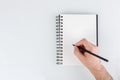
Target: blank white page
(76, 27)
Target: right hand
(90, 61)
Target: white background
(27, 38)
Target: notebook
(71, 28)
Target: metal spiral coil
(59, 40)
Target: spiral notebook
(71, 28)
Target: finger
(78, 53)
(89, 46)
(84, 43)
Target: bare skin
(91, 62)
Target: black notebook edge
(96, 29)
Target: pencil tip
(73, 44)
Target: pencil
(83, 49)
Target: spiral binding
(59, 40)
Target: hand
(90, 61)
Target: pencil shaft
(81, 48)
(94, 54)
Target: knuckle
(84, 39)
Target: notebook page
(76, 27)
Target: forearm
(101, 73)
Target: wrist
(101, 73)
